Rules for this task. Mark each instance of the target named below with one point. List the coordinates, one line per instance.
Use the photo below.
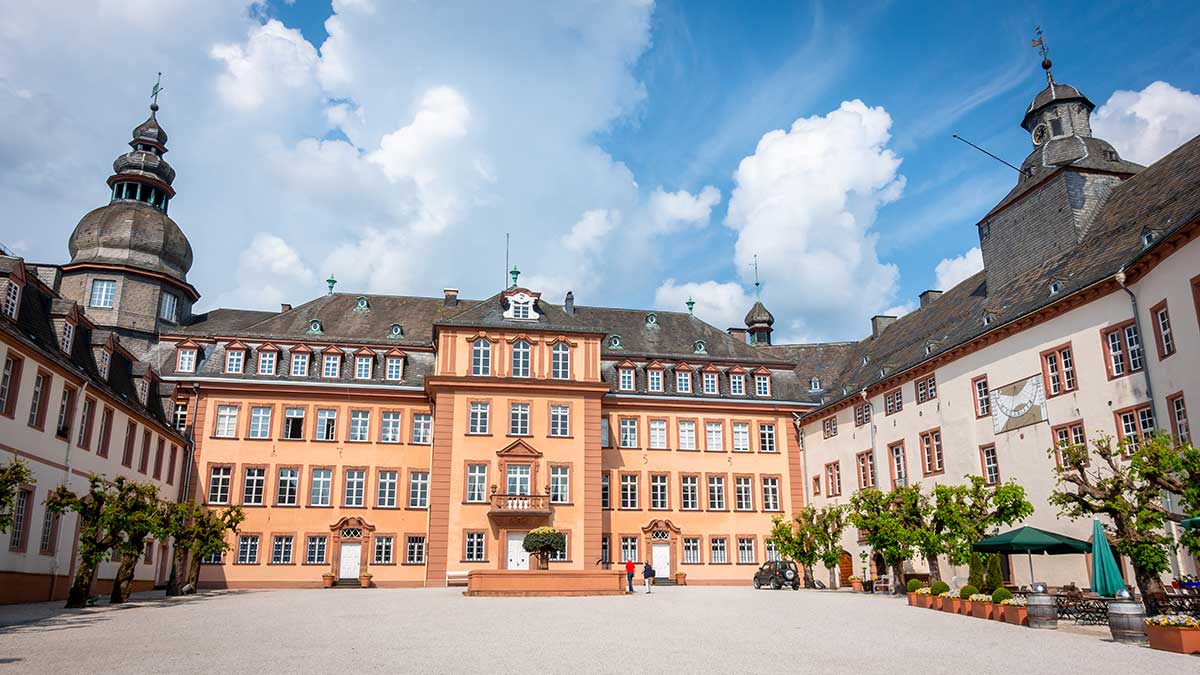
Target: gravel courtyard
(704, 629)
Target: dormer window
(928, 348)
(185, 362)
(331, 365)
(522, 310)
(654, 379)
(987, 318)
(314, 327)
(396, 331)
(1055, 287)
(814, 384)
(1147, 239)
(737, 384)
(683, 382)
(361, 304)
(521, 306)
(12, 299)
(882, 372)
(762, 385)
(866, 360)
(614, 342)
(143, 389)
(710, 385)
(700, 347)
(105, 362)
(266, 362)
(651, 319)
(67, 338)
(234, 361)
(625, 379)
(394, 368)
(362, 367)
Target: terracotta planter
(1174, 638)
(326, 580)
(681, 578)
(950, 605)
(1016, 615)
(912, 599)
(365, 582)
(856, 585)
(981, 610)
(923, 600)
(964, 607)
(997, 612)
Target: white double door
(348, 564)
(660, 559)
(518, 557)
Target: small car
(777, 574)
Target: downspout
(874, 458)
(66, 482)
(803, 457)
(1137, 322)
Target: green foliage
(12, 476)
(828, 525)
(1001, 594)
(794, 539)
(938, 587)
(545, 541)
(975, 571)
(1174, 466)
(914, 584)
(875, 515)
(994, 578)
(967, 591)
(967, 513)
(200, 530)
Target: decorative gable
(518, 449)
(520, 304)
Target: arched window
(560, 362)
(481, 357)
(814, 384)
(520, 359)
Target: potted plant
(913, 585)
(1174, 633)
(936, 590)
(951, 602)
(856, 582)
(543, 542)
(924, 598)
(681, 578)
(981, 605)
(964, 595)
(998, 597)
(327, 579)
(1015, 611)
(364, 580)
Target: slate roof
(1056, 93)
(1079, 152)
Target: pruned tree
(971, 511)
(794, 540)
(828, 526)
(208, 536)
(918, 518)
(95, 539)
(1173, 464)
(12, 477)
(875, 515)
(133, 515)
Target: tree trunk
(194, 573)
(833, 578)
(178, 572)
(808, 576)
(898, 578)
(935, 569)
(82, 585)
(1151, 588)
(124, 579)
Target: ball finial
(1046, 64)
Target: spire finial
(514, 274)
(331, 282)
(757, 284)
(691, 304)
(158, 89)
(1040, 43)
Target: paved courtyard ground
(697, 629)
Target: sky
(635, 153)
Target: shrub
(967, 591)
(544, 541)
(914, 584)
(939, 587)
(1001, 594)
(992, 579)
(975, 570)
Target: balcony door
(518, 557)
(518, 479)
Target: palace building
(418, 438)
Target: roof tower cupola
(758, 319)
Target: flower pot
(981, 610)
(681, 578)
(364, 582)
(856, 585)
(1016, 615)
(997, 612)
(912, 599)
(1174, 638)
(326, 580)
(964, 607)
(950, 605)
(923, 600)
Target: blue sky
(664, 102)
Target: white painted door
(351, 555)
(661, 560)
(518, 557)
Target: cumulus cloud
(267, 270)
(1145, 125)
(669, 211)
(723, 305)
(950, 272)
(274, 63)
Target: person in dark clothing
(648, 575)
(629, 567)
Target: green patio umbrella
(1191, 524)
(1106, 576)
(1030, 540)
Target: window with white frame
(247, 549)
(1060, 371)
(714, 436)
(926, 388)
(517, 479)
(716, 493)
(1134, 424)
(12, 299)
(422, 426)
(103, 293)
(658, 491)
(418, 489)
(683, 382)
(687, 435)
(288, 492)
(360, 425)
(737, 384)
(234, 360)
(474, 547)
(772, 551)
(931, 451)
(266, 363)
(522, 310)
(899, 465)
(393, 368)
(356, 487)
(362, 367)
(991, 465)
(299, 365)
(560, 420)
(983, 401)
(628, 437)
(743, 493)
(866, 469)
(520, 359)
(293, 423)
(762, 385)
(331, 365)
(477, 422)
(691, 550)
(560, 485)
(654, 379)
(689, 493)
(1179, 419)
(481, 357)
(719, 551)
(745, 550)
(1124, 350)
(169, 308)
(625, 379)
(629, 549)
(833, 479)
(476, 483)
(893, 402)
(386, 494)
(415, 550)
(605, 491)
(179, 420)
(862, 414)
(829, 426)
(281, 549)
(226, 421)
(316, 553)
(260, 422)
(560, 361)
(322, 487)
(105, 362)
(254, 486)
(326, 425)
(766, 438)
(658, 434)
(710, 383)
(518, 419)
(186, 362)
(389, 427)
(629, 491)
(1166, 339)
(770, 489)
(605, 432)
(384, 548)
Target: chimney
(569, 303)
(450, 297)
(284, 307)
(929, 296)
(739, 333)
(880, 322)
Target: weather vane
(158, 88)
(757, 295)
(1040, 43)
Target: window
(316, 550)
(899, 465)
(816, 485)
(737, 384)
(85, 427)
(931, 451)
(560, 421)
(710, 383)
(481, 357)
(762, 385)
(356, 487)
(683, 382)
(478, 422)
(260, 422)
(1132, 424)
(393, 368)
(386, 495)
(103, 292)
(605, 491)
(67, 337)
(862, 414)
(629, 491)
(654, 379)
(226, 421)
(605, 548)
(105, 362)
(218, 484)
(716, 493)
(415, 550)
(476, 483)
(281, 550)
(143, 462)
(625, 379)
(893, 402)
(628, 437)
(518, 478)
(213, 559)
(691, 550)
(658, 434)
(991, 468)
(1164, 339)
(254, 486)
(12, 299)
(474, 547)
(745, 550)
(169, 307)
(687, 435)
(866, 469)
(829, 426)
(658, 491)
(266, 363)
(766, 438)
(718, 552)
(560, 361)
(772, 552)
(288, 492)
(362, 367)
(1179, 420)
(714, 436)
(322, 487)
(629, 549)
(518, 419)
(560, 485)
(814, 384)
(37, 408)
(293, 423)
(360, 425)
(520, 359)
(422, 424)
(247, 549)
(689, 493)
(48, 540)
(299, 365)
(234, 360)
(389, 427)
(20, 519)
(983, 401)
(326, 425)
(331, 365)
(179, 419)
(106, 424)
(833, 479)
(770, 490)
(522, 310)
(743, 493)
(1058, 368)
(605, 432)
(1124, 350)
(9, 382)
(926, 388)
(130, 438)
(418, 490)
(384, 546)
(561, 556)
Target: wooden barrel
(1127, 621)
(1043, 611)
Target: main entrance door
(518, 557)
(349, 564)
(661, 560)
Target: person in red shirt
(629, 568)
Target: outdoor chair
(883, 584)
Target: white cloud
(723, 305)
(1145, 125)
(670, 211)
(951, 272)
(267, 270)
(275, 63)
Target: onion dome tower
(129, 259)
(758, 319)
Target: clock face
(1040, 134)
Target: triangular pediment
(518, 448)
